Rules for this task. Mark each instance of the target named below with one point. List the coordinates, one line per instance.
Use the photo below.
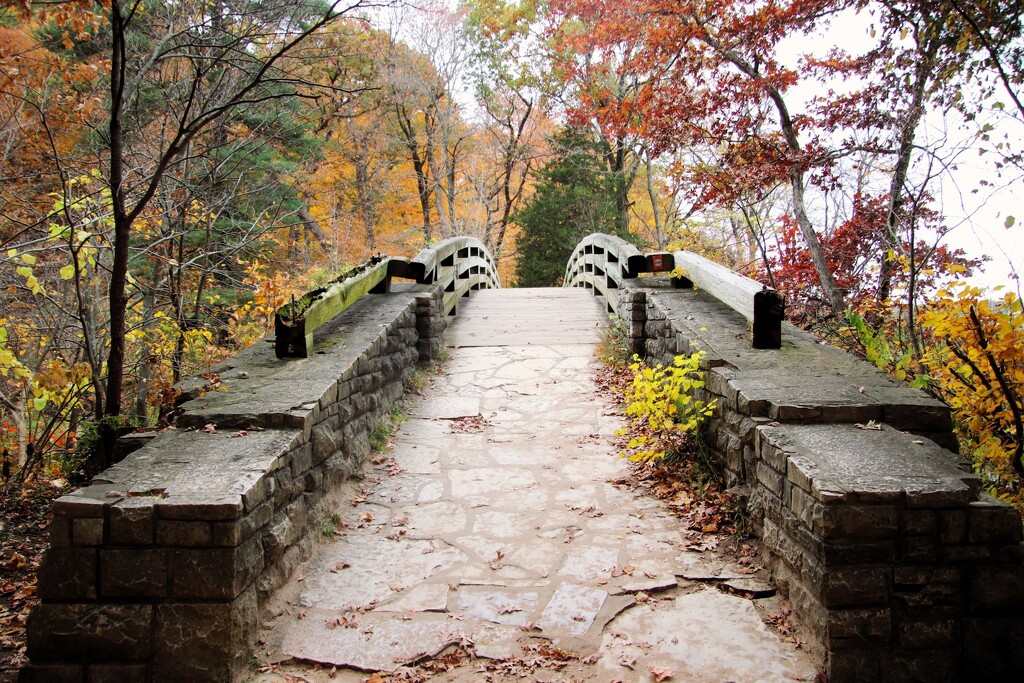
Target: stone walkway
(493, 524)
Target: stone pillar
(431, 324)
(632, 312)
(142, 587)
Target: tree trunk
(891, 240)
(833, 294)
(659, 230)
(367, 209)
(313, 226)
(117, 299)
(117, 296)
(145, 367)
(419, 167)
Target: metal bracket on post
(656, 262)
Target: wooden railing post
(764, 307)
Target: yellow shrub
(661, 408)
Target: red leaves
(854, 250)
(346, 621)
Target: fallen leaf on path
(496, 562)
(348, 622)
(659, 673)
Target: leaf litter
(24, 537)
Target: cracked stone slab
(430, 493)
(367, 569)
(650, 576)
(572, 609)
(401, 488)
(580, 495)
(426, 597)
(483, 546)
(537, 556)
(447, 407)
(750, 588)
(378, 642)
(434, 519)
(418, 460)
(702, 567)
(589, 562)
(500, 524)
(688, 636)
(494, 641)
(508, 607)
(475, 482)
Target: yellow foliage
(661, 407)
(977, 367)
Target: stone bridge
(168, 566)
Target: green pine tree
(574, 197)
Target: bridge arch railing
(459, 264)
(602, 263)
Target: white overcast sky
(975, 213)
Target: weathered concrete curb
(157, 570)
(881, 540)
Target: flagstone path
(493, 524)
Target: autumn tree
(420, 81)
(513, 106)
(709, 75)
(977, 368)
(185, 82)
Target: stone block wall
(157, 570)
(877, 533)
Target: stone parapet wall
(873, 528)
(157, 570)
